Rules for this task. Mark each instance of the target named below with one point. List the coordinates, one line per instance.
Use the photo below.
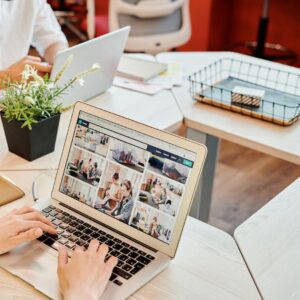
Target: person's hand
(22, 225)
(14, 71)
(86, 275)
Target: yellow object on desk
(9, 191)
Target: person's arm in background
(14, 72)
(48, 38)
(51, 51)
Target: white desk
(207, 124)
(207, 266)
(269, 241)
(159, 111)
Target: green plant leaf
(41, 96)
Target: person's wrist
(79, 295)
(8, 74)
(4, 74)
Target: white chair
(156, 25)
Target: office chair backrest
(156, 25)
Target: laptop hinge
(109, 227)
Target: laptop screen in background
(132, 177)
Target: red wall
(218, 24)
(201, 11)
(102, 6)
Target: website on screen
(132, 177)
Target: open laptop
(105, 50)
(155, 173)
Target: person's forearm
(72, 295)
(112, 211)
(4, 75)
(120, 217)
(51, 51)
(115, 199)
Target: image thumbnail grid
(152, 222)
(118, 191)
(92, 140)
(85, 166)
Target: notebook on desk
(9, 191)
(123, 183)
(139, 69)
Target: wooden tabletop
(275, 140)
(208, 264)
(269, 241)
(158, 111)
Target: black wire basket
(217, 83)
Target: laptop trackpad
(39, 268)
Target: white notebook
(139, 69)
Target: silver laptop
(123, 183)
(105, 50)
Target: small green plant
(34, 98)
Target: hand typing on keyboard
(73, 232)
(86, 275)
(22, 225)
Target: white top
(25, 23)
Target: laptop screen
(132, 177)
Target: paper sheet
(166, 80)
(172, 76)
(142, 87)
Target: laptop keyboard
(72, 232)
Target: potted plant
(30, 112)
